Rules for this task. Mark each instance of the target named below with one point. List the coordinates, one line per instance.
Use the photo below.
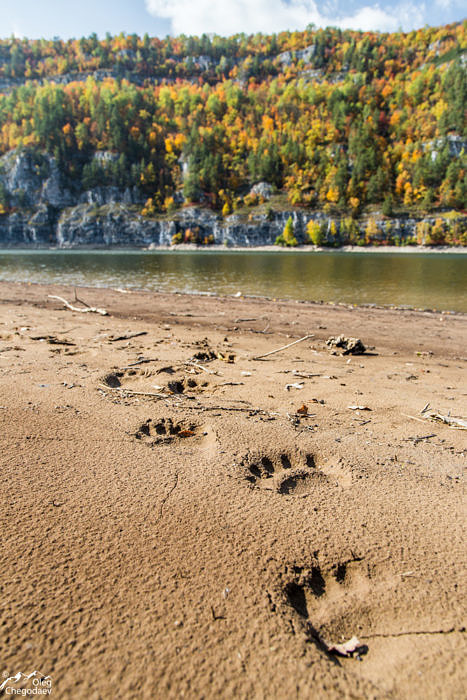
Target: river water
(422, 280)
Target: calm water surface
(416, 279)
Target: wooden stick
(143, 361)
(205, 369)
(256, 411)
(81, 301)
(420, 420)
(304, 375)
(128, 336)
(89, 309)
(131, 392)
(455, 423)
(284, 347)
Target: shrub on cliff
(372, 232)
(315, 233)
(287, 237)
(350, 233)
(438, 233)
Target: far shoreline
(189, 247)
(22, 289)
(313, 249)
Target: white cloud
(448, 4)
(227, 17)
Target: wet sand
(174, 525)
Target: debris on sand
(347, 648)
(452, 421)
(88, 309)
(295, 385)
(348, 346)
(125, 336)
(52, 339)
(283, 347)
(228, 357)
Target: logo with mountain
(35, 683)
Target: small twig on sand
(127, 336)
(362, 422)
(142, 361)
(304, 375)
(81, 301)
(456, 423)
(168, 494)
(131, 392)
(284, 347)
(420, 420)
(242, 409)
(264, 331)
(205, 369)
(214, 616)
(419, 438)
(88, 309)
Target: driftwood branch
(81, 301)
(238, 409)
(457, 423)
(88, 309)
(284, 347)
(142, 361)
(128, 336)
(130, 392)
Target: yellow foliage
(408, 194)
(371, 231)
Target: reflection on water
(416, 279)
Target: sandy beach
(181, 519)
(316, 249)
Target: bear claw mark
(328, 603)
(165, 431)
(287, 474)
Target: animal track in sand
(184, 385)
(132, 378)
(284, 473)
(337, 603)
(147, 380)
(166, 430)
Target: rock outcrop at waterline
(119, 225)
(43, 211)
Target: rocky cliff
(40, 210)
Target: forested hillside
(341, 121)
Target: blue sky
(49, 18)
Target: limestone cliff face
(110, 225)
(44, 211)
